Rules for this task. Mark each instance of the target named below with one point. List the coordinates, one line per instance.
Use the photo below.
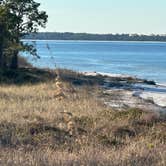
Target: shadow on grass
(26, 76)
(36, 75)
(31, 75)
(80, 79)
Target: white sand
(158, 98)
(157, 94)
(106, 74)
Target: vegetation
(54, 118)
(87, 36)
(17, 19)
(61, 121)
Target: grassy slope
(39, 128)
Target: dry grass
(37, 127)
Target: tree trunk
(1, 58)
(1, 48)
(14, 61)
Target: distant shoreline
(94, 37)
(95, 40)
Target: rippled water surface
(141, 59)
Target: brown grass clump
(37, 129)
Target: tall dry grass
(38, 127)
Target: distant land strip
(94, 37)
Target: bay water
(145, 60)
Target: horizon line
(121, 33)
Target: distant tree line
(17, 19)
(95, 37)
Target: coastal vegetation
(60, 117)
(94, 37)
(50, 120)
(17, 19)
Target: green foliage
(19, 18)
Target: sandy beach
(120, 92)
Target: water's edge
(143, 89)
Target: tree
(3, 34)
(25, 18)
(1, 45)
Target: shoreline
(146, 90)
(94, 40)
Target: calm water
(141, 59)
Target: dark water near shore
(142, 59)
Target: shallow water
(142, 59)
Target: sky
(105, 16)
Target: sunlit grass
(37, 127)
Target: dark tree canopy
(20, 18)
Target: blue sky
(106, 16)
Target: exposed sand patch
(158, 98)
(139, 94)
